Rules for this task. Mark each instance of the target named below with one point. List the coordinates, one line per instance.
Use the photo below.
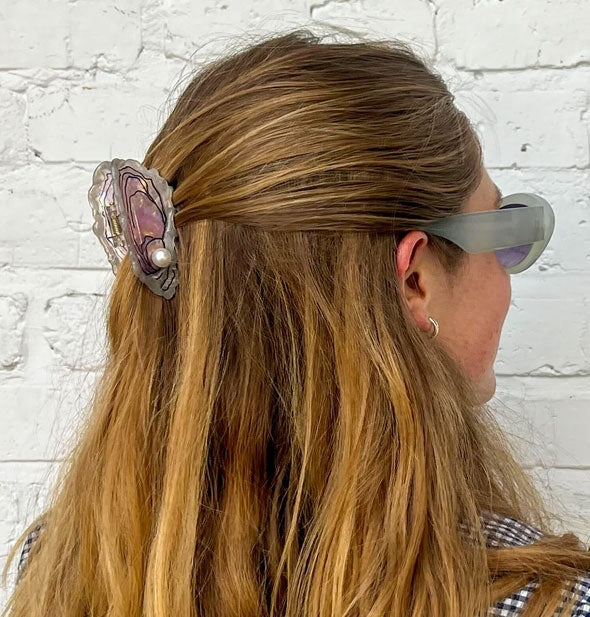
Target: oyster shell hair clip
(133, 213)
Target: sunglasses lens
(514, 255)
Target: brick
(572, 426)
(34, 34)
(71, 331)
(94, 122)
(12, 344)
(42, 365)
(13, 135)
(534, 341)
(35, 229)
(498, 35)
(567, 492)
(548, 134)
(105, 33)
(28, 421)
(197, 29)
(528, 423)
(412, 22)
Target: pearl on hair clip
(161, 258)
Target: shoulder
(505, 531)
(513, 605)
(26, 548)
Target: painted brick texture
(82, 81)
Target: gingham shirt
(499, 531)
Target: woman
(284, 435)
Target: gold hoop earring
(435, 327)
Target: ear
(416, 275)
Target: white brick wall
(82, 81)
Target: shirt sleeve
(513, 605)
(26, 549)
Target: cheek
(480, 310)
(494, 305)
(494, 293)
(502, 290)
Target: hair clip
(133, 213)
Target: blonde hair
(280, 439)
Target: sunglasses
(517, 232)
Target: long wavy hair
(280, 439)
